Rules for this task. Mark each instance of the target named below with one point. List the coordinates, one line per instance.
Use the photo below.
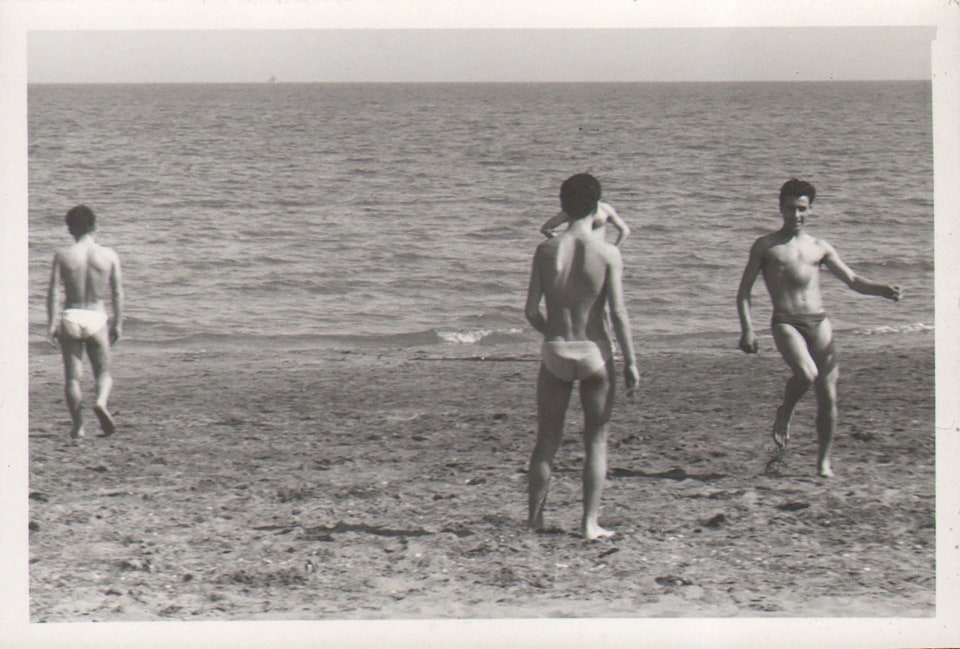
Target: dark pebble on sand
(36, 495)
(715, 521)
(34, 526)
(792, 506)
(671, 580)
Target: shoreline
(516, 341)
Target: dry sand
(259, 483)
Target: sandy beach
(261, 483)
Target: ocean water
(407, 214)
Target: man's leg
(793, 348)
(72, 351)
(98, 348)
(596, 397)
(825, 387)
(553, 396)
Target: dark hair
(796, 188)
(579, 195)
(81, 220)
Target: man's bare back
(573, 271)
(88, 275)
(86, 268)
(579, 277)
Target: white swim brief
(80, 324)
(570, 360)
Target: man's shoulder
(106, 252)
(764, 242)
(610, 251)
(547, 245)
(820, 241)
(64, 253)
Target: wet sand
(344, 484)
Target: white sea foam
(917, 327)
(464, 337)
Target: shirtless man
(790, 260)
(579, 276)
(88, 272)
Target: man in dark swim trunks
(579, 277)
(790, 260)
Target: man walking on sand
(790, 260)
(88, 272)
(579, 276)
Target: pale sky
(693, 54)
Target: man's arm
(554, 222)
(116, 296)
(622, 228)
(534, 294)
(857, 283)
(53, 299)
(620, 319)
(748, 339)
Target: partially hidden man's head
(579, 195)
(794, 188)
(80, 221)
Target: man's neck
(582, 225)
(789, 233)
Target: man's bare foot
(781, 428)
(825, 470)
(106, 421)
(535, 515)
(595, 532)
(535, 522)
(78, 433)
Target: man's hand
(749, 343)
(115, 334)
(893, 293)
(52, 336)
(631, 375)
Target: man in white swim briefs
(790, 260)
(579, 276)
(87, 272)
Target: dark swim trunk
(805, 323)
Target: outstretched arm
(621, 320)
(116, 296)
(53, 300)
(748, 339)
(554, 222)
(623, 230)
(534, 294)
(856, 282)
